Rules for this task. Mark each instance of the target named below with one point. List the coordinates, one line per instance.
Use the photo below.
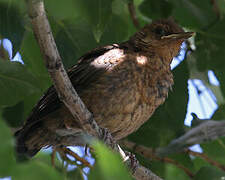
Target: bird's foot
(133, 164)
(107, 138)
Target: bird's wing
(81, 75)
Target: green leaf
(11, 24)
(108, 165)
(6, 150)
(166, 170)
(167, 122)
(73, 40)
(193, 14)
(16, 82)
(219, 114)
(221, 6)
(183, 159)
(4, 54)
(29, 102)
(120, 9)
(97, 13)
(158, 167)
(209, 173)
(116, 31)
(215, 149)
(35, 170)
(199, 163)
(172, 172)
(220, 74)
(60, 10)
(46, 158)
(14, 115)
(33, 60)
(31, 170)
(74, 174)
(156, 9)
(210, 51)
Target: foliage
(79, 26)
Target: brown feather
(121, 85)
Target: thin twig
(78, 158)
(206, 158)
(63, 151)
(216, 8)
(53, 155)
(64, 88)
(133, 14)
(149, 153)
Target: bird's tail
(30, 139)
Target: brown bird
(121, 84)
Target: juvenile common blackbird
(121, 84)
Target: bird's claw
(107, 138)
(133, 161)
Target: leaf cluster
(79, 26)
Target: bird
(120, 84)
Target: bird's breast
(127, 96)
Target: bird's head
(164, 36)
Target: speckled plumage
(121, 84)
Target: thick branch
(53, 62)
(206, 131)
(62, 83)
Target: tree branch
(64, 88)
(206, 158)
(208, 130)
(53, 62)
(216, 8)
(133, 14)
(150, 153)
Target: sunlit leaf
(108, 166)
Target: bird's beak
(183, 35)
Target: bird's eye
(160, 31)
